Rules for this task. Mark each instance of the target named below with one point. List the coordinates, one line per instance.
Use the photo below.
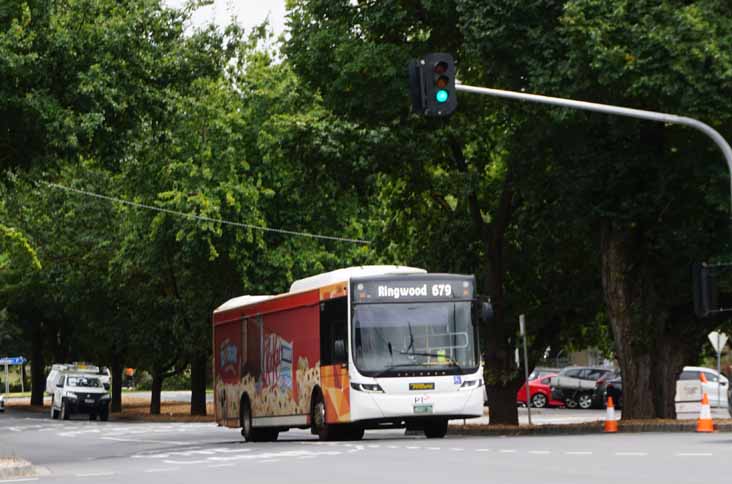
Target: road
(81, 451)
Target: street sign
(16, 360)
(718, 340)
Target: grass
(136, 408)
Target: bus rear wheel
(435, 429)
(251, 434)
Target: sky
(248, 12)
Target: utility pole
(522, 330)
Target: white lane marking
(484, 450)
(634, 454)
(694, 454)
(256, 457)
(21, 480)
(163, 469)
(433, 448)
(579, 452)
(457, 449)
(373, 446)
(412, 447)
(191, 452)
(96, 474)
(507, 451)
(120, 439)
(220, 465)
(540, 452)
(392, 447)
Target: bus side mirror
(486, 311)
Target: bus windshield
(397, 337)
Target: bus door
(334, 360)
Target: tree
(458, 179)
(628, 177)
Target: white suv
(80, 393)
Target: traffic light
(432, 85)
(704, 291)
(712, 286)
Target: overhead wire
(200, 217)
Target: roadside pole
(718, 340)
(7, 377)
(522, 330)
(614, 110)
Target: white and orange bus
(353, 349)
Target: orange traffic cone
(611, 425)
(705, 423)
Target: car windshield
(413, 336)
(84, 381)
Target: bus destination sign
(401, 290)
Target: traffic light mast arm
(615, 110)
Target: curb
(582, 429)
(19, 468)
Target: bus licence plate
(89, 400)
(423, 409)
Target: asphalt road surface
(80, 451)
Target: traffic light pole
(614, 110)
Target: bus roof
(345, 275)
(322, 280)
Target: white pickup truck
(80, 393)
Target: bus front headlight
(367, 387)
(471, 384)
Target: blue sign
(16, 360)
(457, 379)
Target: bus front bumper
(456, 404)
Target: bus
(359, 348)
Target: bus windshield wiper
(393, 367)
(449, 359)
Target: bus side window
(333, 332)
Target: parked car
(540, 392)
(716, 388)
(541, 371)
(577, 386)
(80, 393)
(2, 403)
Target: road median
(597, 427)
(15, 468)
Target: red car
(541, 393)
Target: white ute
(80, 393)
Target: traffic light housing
(432, 85)
(712, 288)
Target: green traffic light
(441, 96)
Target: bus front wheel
(435, 429)
(317, 419)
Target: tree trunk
(117, 375)
(38, 377)
(501, 376)
(198, 384)
(23, 376)
(630, 301)
(157, 387)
